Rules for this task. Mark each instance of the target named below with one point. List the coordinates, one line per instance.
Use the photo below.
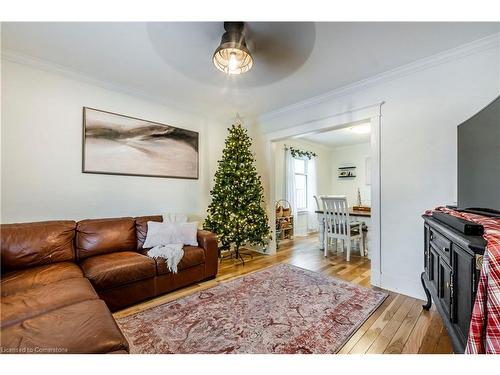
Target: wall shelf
(347, 172)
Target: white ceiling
(171, 62)
(338, 138)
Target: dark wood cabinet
(445, 287)
(452, 262)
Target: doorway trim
(371, 113)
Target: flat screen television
(479, 161)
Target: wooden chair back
(336, 213)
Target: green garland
(296, 153)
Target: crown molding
(52, 67)
(491, 41)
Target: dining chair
(338, 225)
(318, 208)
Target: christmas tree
(236, 214)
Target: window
(300, 183)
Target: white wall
(42, 146)
(355, 156)
(323, 173)
(418, 145)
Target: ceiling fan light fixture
(232, 56)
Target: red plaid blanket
(484, 331)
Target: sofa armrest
(208, 242)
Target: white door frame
(373, 113)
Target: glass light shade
(235, 59)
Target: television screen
(479, 159)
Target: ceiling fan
(267, 51)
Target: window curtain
(312, 190)
(290, 183)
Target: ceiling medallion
(232, 56)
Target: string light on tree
(236, 214)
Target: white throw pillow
(174, 218)
(170, 233)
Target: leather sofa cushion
(141, 226)
(35, 301)
(129, 294)
(35, 244)
(16, 281)
(85, 327)
(116, 269)
(103, 236)
(192, 257)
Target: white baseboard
(375, 278)
(260, 249)
(408, 287)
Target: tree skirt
(281, 309)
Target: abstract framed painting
(122, 145)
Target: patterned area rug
(281, 309)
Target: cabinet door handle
(445, 249)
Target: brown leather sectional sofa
(60, 279)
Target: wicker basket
(285, 210)
(284, 224)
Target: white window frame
(301, 209)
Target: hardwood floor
(399, 325)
